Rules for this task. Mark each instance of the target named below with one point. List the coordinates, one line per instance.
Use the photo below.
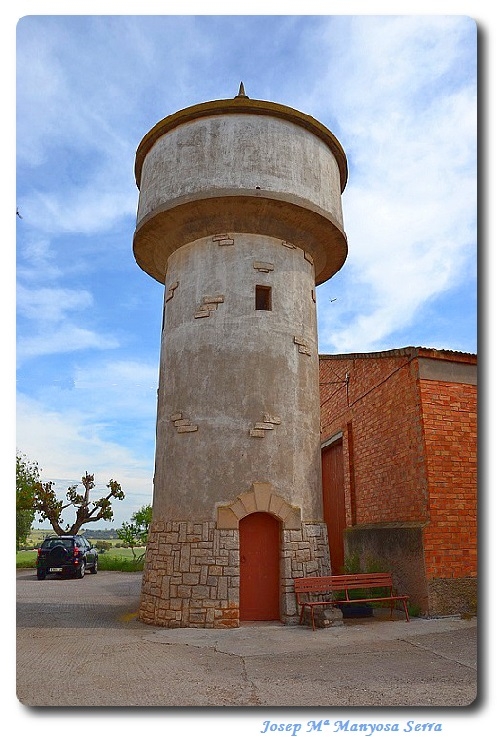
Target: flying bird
(18, 214)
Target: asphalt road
(79, 644)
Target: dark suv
(66, 554)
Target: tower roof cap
(241, 92)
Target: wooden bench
(334, 590)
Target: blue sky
(400, 94)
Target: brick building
(399, 464)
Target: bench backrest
(323, 584)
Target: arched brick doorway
(259, 552)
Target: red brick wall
(382, 404)
(450, 428)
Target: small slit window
(263, 297)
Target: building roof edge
(411, 351)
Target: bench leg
(404, 602)
(302, 613)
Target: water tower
(240, 217)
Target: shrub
(102, 545)
(371, 565)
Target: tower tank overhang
(261, 167)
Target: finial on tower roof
(241, 92)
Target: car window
(55, 541)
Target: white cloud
(41, 83)
(66, 445)
(73, 145)
(409, 118)
(37, 260)
(125, 389)
(102, 400)
(118, 373)
(60, 85)
(65, 339)
(51, 332)
(51, 305)
(77, 209)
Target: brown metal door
(333, 495)
(259, 544)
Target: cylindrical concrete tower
(240, 217)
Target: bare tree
(49, 507)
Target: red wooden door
(333, 495)
(259, 545)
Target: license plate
(55, 570)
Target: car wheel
(41, 574)
(81, 570)
(93, 569)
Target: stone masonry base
(191, 573)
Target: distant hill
(101, 534)
(40, 534)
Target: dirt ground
(79, 644)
